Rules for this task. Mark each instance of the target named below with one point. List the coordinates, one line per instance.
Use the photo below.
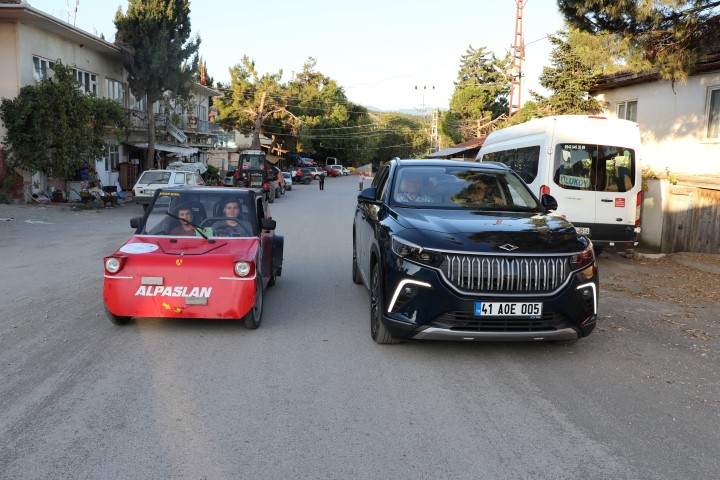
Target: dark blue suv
(465, 251)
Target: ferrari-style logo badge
(178, 262)
(508, 247)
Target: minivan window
(602, 168)
(179, 179)
(523, 160)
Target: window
(112, 158)
(523, 160)
(138, 104)
(590, 167)
(41, 67)
(202, 112)
(115, 90)
(627, 110)
(88, 81)
(713, 108)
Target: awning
(272, 158)
(165, 147)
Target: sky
(386, 54)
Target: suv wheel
(377, 328)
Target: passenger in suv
(458, 267)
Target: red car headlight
(244, 269)
(114, 264)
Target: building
(33, 41)
(680, 132)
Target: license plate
(508, 309)
(583, 230)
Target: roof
(22, 11)
(475, 143)
(711, 63)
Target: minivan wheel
(378, 332)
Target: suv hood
(486, 231)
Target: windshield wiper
(197, 229)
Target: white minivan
(590, 164)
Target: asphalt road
(309, 395)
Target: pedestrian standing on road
(362, 180)
(321, 181)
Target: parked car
(332, 172)
(279, 182)
(317, 172)
(347, 171)
(304, 175)
(465, 251)
(229, 177)
(288, 180)
(152, 180)
(175, 266)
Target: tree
(480, 94)
(155, 37)
(670, 35)
(52, 127)
(252, 99)
(569, 79)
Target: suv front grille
(502, 274)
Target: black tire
(378, 332)
(117, 320)
(598, 251)
(253, 318)
(355, 269)
(307, 181)
(271, 196)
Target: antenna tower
(518, 55)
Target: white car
(288, 180)
(151, 180)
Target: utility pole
(518, 53)
(434, 137)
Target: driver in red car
(232, 226)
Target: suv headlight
(582, 260)
(415, 253)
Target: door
(575, 181)
(617, 193)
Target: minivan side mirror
(368, 195)
(548, 202)
(135, 222)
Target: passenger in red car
(185, 228)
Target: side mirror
(268, 224)
(548, 202)
(368, 195)
(135, 222)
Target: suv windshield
(461, 188)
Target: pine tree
(155, 36)
(480, 93)
(671, 35)
(569, 80)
